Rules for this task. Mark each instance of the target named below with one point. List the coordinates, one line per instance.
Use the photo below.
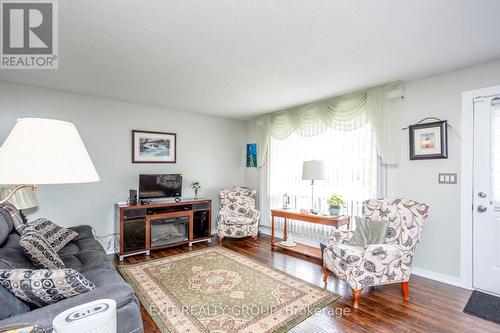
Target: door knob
(482, 195)
(481, 209)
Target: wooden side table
(287, 214)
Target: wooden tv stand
(160, 225)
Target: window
(351, 171)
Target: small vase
(196, 194)
(334, 211)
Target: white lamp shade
(45, 151)
(22, 199)
(313, 170)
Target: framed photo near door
(429, 141)
(154, 147)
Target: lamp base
(23, 216)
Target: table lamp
(43, 151)
(23, 199)
(313, 170)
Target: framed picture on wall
(429, 140)
(154, 147)
(251, 155)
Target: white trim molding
(444, 278)
(428, 274)
(467, 186)
(279, 234)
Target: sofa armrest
(120, 292)
(84, 232)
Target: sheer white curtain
(378, 106)
(347, 132)
(351, 168)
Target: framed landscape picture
(154, 147)
(429, 141)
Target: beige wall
(209, 149)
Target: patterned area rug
(219, 290)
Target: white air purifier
(94, 317)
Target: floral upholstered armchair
(237, 216)
(378, 264)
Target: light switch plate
(447, 178)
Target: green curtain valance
(344, 112)
(379, 106)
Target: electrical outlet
(447, 178)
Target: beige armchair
(237, 216)
(378, 264)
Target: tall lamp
(23, 199)
(44, 151)
(313, 170)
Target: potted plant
(335, 202)
(195, 186)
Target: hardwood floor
(433, 306)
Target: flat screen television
(160, 186)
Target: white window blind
(351, 171)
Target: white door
(486, 195)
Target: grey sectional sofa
(86, 255)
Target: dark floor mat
(484, 306)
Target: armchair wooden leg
(325, 275)
(220, 240)
(254, 240)
(405, 288)
(356, 294)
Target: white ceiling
(238, 59)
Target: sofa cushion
(38, 250)
(12, 254)
(104, 277)
(11, 305)
(57, 236)
(12, 242)
(87, 260)
(85, 254)
(15, 215)
(6, 225)
(15, 259)
(81, 245)
(83, 231)
(42, 287)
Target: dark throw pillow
(368, 232)
(38, 250)
(15, 215)
(44, 286)
(57, 236)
